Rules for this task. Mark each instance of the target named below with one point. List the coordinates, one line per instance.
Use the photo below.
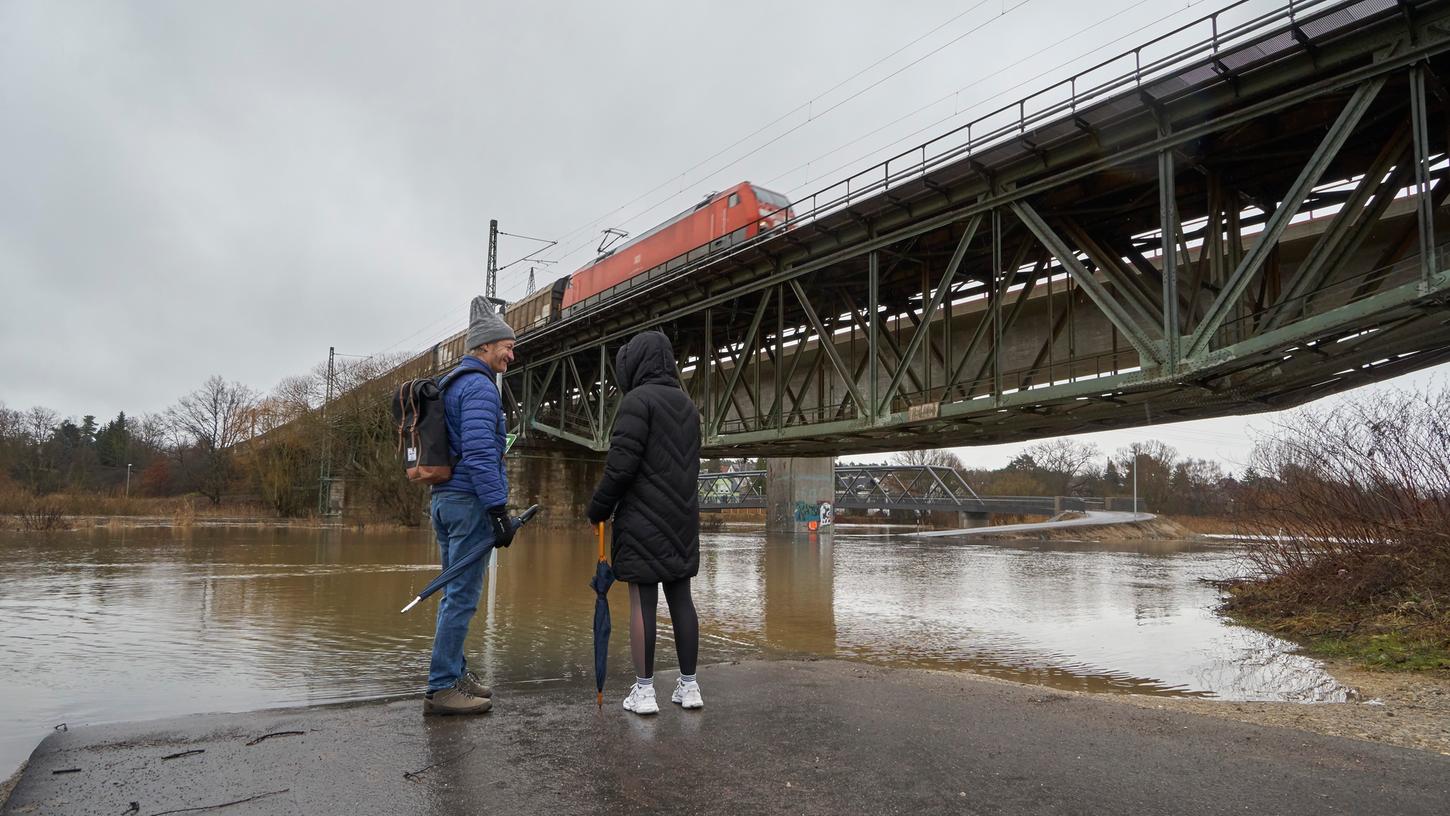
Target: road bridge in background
(923, 488)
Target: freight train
(721, 220)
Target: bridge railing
(1080, 96)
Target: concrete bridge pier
(967, 520)
(795, 488)
(558, 476)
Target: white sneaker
(641, 700)
(687, 694)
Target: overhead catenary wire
(451, 314)
(812, 118)
(530, 256)
(988, 100)
(804, 106)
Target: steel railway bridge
(1244, 224)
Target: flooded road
(114, 625)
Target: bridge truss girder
(1139, 261)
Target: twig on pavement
(223, 804)
(413, 775)
(277, 734)
(185, 753)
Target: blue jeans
(460, 522)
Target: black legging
(643, 601)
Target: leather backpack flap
(430, 474)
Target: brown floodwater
(131, 624)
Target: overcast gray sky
(190, 189)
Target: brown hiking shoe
(454, 701)
(473, 684)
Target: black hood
(646, 358)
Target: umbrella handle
(599, 528)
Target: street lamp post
(1135, 481)
(128, 480)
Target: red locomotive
(721, 220)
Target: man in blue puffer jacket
(470, 510)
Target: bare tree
(12, 443)
(38, 424)
(216, 415)
(1063, 465)
(38, 463)
(299, 393)
(151, 432)
(1355, 499)
(213, 419)
(935, 457)
(10, 421)
(1152, 463)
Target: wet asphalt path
(775, 737)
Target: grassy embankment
(55, 512)
(1389, 611)
(1379, 624)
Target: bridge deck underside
(1025, 291)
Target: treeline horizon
(226, 443)
(223, 443)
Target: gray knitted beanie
(485, 325)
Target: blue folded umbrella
(603, 578)
(464, 562)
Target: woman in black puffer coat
(650, 486)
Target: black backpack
(423, 428)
